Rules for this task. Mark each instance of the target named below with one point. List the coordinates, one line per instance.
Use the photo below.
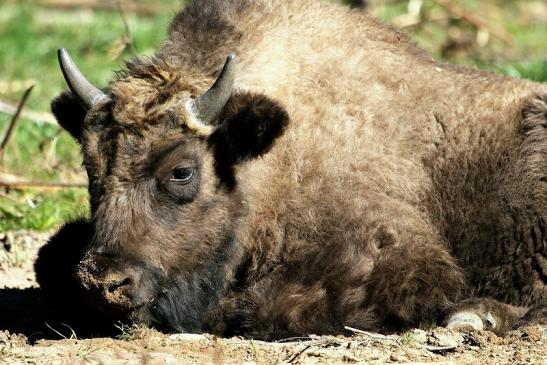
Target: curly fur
(352, 180)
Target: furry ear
(69, 113)
(249, 126)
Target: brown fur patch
(400, 186)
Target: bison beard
(337, 178)
(184, 302)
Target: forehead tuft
(146, 93)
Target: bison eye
(182, 182)
(182, 175)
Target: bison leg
(536, 315)
(482, 313)
(411, 285)
(397, 275)
(489, 314)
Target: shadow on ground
(24, 311)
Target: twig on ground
(297, 355)
(13, 121)
(440, 348)
(298, 339)
(39, 117)
(132, 7)
(474, 20)
(44, 185)
(310, 342)
(370, 334)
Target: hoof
(465, 321)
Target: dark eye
(182, 175)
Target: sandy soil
(30, 334)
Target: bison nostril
(113, 286)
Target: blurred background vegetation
(501, 35)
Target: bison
(288, 167)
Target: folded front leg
(482, 314)
(411, 284)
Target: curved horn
(209, 105)
(86, 94)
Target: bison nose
(109, 283)
(117, 289)
(117, 284)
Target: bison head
(162, 158)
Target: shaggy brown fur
(400, 187)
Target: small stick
(39, 117)
(440, 348)
(13, 121)
(138, 8)
(236, 341)
(297, 355)
(370, 334)
(46, 185)
(128, 35)
(475, 21)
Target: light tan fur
(400, 186)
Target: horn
(209, 105)
(86, 94)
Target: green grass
(30, 36)
(29, 41)
(523, 22)
(41, 211)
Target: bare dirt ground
(29, 334)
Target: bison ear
(249, 126)
(69, 113)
